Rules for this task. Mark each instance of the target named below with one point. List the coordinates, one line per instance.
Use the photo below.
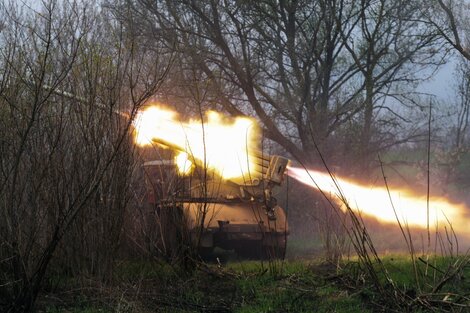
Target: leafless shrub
(70, 85)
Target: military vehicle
(233, 214)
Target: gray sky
(442, 85)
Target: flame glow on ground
(219, 142)
(373, 201)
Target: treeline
(332, 77)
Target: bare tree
(453, 144)
(450, 19)
(392, 47)
(261, 59)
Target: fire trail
(387, 205)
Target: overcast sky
(442, 85)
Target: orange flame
(220, 143)
(373, 201)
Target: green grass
(290, 286)
(254, 286)
(302, 248)
(248, 286)
(428, 272)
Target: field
(249, 286)
(428, 284)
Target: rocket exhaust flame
(221, 144)
(372, 201)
